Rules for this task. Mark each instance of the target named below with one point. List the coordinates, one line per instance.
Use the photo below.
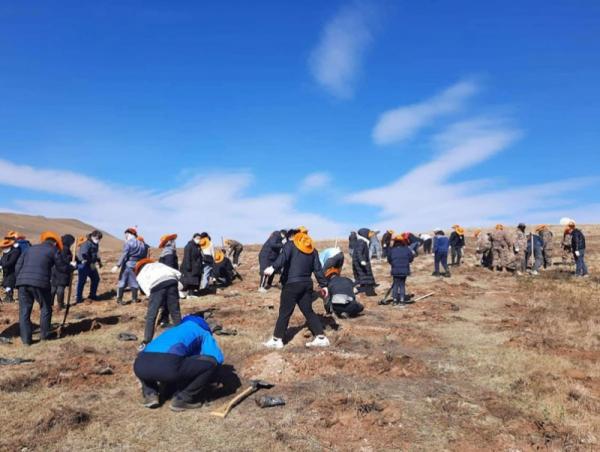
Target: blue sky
(243, 117)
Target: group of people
(186, 356)
(499, 250)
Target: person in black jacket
(386, 242)
(352, 238)
(361, 264)
(168, 251)
(34, 270)
(59, 279)
(192, 265)
(297, 262)
(400, 257)
(88, 259)
(8, 262)
(268, 254)
(223, 270)
(578, 248)
(457, 243)
(341, 299)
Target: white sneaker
(319, 341)
(274, 342)
(534, 273)
(262, 290)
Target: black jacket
(270, 251)
(192, 264)
(362, 274)
(577, 240)
(8, 262)
(224, 271)
(34, 267)
(170, 260)
(352, 240)
(386, 239)
(297, 266)
(400, 258)
(456, 240)
(340, 285)
(60, 278)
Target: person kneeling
(223, 271)
(341, 299)
(185, 358)
(160, 282)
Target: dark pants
(235, 254)
(399, 288)
(83, 273)
(168, 296)
(27, 296)
(58, 293)
(187, 374)
(427, 246)
(352, 309)
(580, 267)
(538, 258)
(292, 294)
(441, 258)
(456, 254)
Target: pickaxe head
(260, 384)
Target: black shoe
(396, 302)
(151, 401)
(447, 275)
(179, 405)
(435, 274)
(134, 296)
(384, 302)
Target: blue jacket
(133, 251)
(400, 258)
(538, 244)
(440, 244)
(187, 339)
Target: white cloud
(217, 204)
(315, 181)
(425, 195)
(401, 123)
(336, 60)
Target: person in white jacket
(161, 283)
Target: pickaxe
(255, 385)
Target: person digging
(184, 358)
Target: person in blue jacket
(185, 357)
(400, 257)
(440, 253)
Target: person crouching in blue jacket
(400, 257)
(440, 253)
(185, 357)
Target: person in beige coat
(502, 247)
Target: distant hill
(31, 226)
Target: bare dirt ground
(491, 362)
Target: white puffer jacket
(151, 275)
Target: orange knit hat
(304, 243)
(166, 238)
(140, 264)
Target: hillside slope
(31, 226)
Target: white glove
(269, 271)
(516, 250)
(363, 263)
(577, 253)
(74, 264)
(284, 241)
(115, 269)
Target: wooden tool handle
(225, 409)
